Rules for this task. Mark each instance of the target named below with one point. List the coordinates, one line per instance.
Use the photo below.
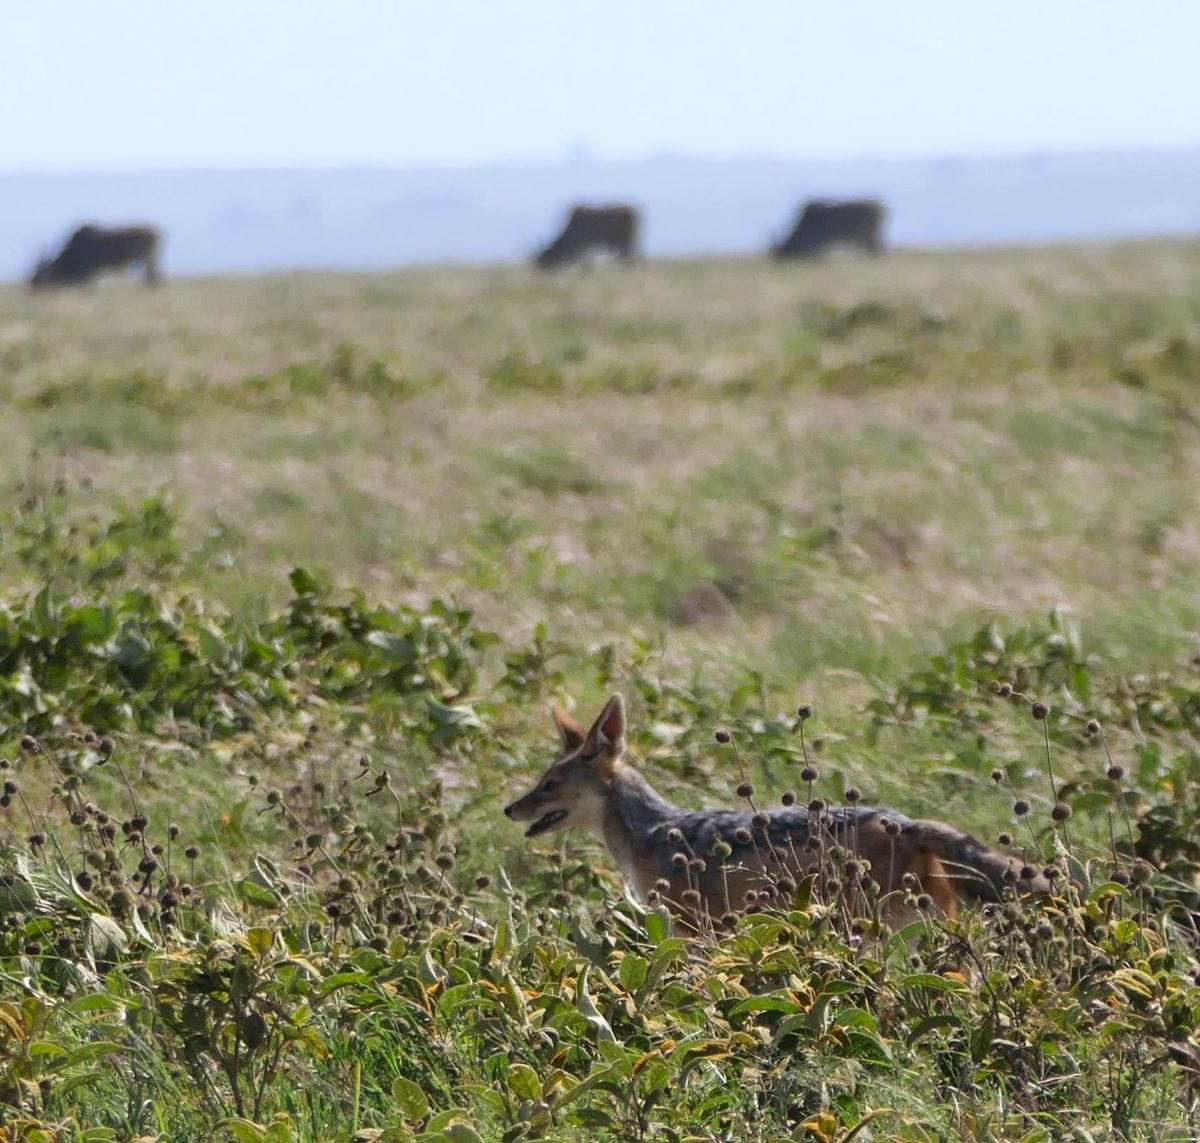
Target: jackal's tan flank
(591, 785)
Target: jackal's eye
(549, 785)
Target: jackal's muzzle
(524, 808)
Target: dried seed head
(997, 775)
(28, 742)
(1061, 812)
(804, 712)
(816, 806)
(192, 852)
(1010, 876)
(891, 827)
(10, 785)
(909, 881)
(729, 921)
(1093, 727)
(924, 902)
(482, 881)
(1020, 807)
(788, 798)
(853, 794)
(742, 835)
(723, 736)
(1115, 772)
(1142, 871)
(1039, 710)
(653, 898)
(1052, 873)
(721, 848)
(760, 821)
(663, 885)
(697, 865)
(690, 897)
(1004, 690)
(745, 790)
(852, 868)
(750, 897)
(809, 774)
(679, 860)
(674, 835)
(1028, 873)
(1005, 838)
(786, 886)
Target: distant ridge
(233, 220)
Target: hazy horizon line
(586, 158)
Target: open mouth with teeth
(547, 821)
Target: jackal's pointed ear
(572, 733)
(608, 731)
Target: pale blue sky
(283, 82)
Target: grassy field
(293, 567)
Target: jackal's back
(791, 828)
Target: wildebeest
(826, 223)
(92, 249)
(612, 228)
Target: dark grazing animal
(92, 249)
(826, 223)
(612, 228)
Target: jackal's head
(575, 788)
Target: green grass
(719, 486)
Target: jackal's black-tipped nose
(508, 811)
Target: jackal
(706, 864)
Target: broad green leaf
(254, 894)
(585, 1005)
(244, 1130)
(523, 1082)
(409, 1097)
(632, 971)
